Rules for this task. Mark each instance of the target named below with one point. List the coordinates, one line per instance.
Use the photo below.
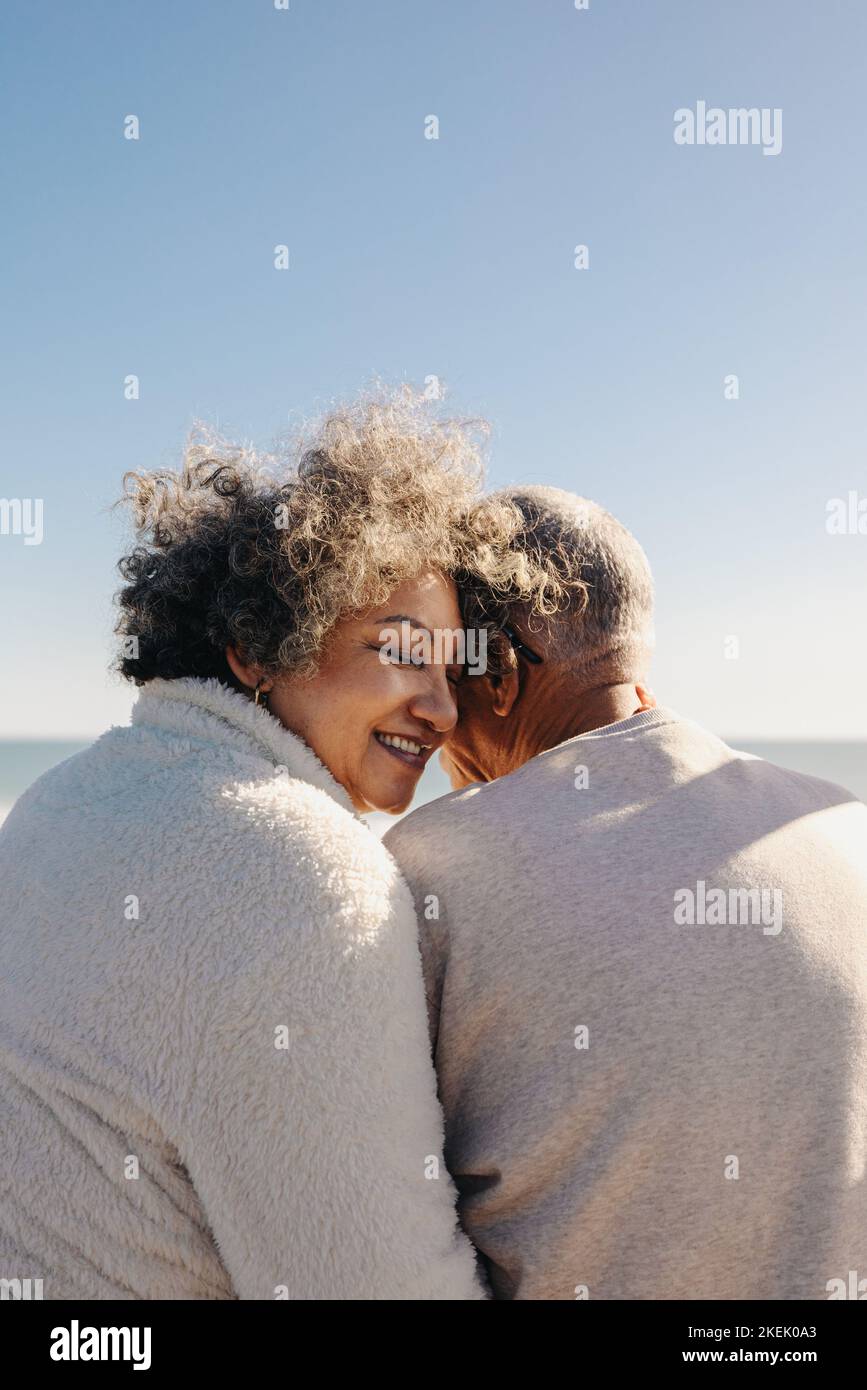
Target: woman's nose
(436, 703)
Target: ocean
(22, 761)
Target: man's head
(592, 654)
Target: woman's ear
(247, 674)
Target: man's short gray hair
(605, 633)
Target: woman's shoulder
(206, 829)
(327, 845)
(289, 846)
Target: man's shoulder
(449, 816)
(802, 789)
(457, 834)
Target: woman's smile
(408, 750)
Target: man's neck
(569, 711)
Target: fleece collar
(208, 709)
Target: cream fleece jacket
(215, 1079)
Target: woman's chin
(391, 801)
(396, 808)
(390, 784)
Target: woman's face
(370, 696)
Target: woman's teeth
(406, 745)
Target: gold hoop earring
(260, 696)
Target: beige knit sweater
(646, 960)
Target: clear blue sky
(412, 257)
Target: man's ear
(504, 692)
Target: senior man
(646, 965)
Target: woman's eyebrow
(399, 618)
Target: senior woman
(215, 1076)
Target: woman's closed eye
(388, 656)
(405, 657)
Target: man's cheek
(455, 776)
(468, 697)
(445, 761)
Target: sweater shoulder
(448, 823)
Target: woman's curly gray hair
(268, 553)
